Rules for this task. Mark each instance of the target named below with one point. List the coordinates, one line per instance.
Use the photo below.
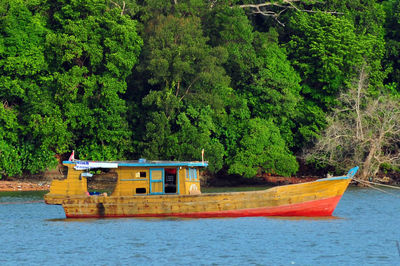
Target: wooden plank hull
(308, 199)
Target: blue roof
(146, 163)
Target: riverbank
(104, 181)
(23, 186)
(36, 182)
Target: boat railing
(350, 175)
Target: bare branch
(363, 130)
(188, 88)
(269, 9)
(122, 8)
(361, 81)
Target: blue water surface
(363, 231)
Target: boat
(172, 189)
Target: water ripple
(362, 232)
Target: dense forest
(259, 85)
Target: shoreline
(42, 183)
(9, 186)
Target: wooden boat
(172, 189)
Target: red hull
(323, 207)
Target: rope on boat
(370, 184)
(378, 184)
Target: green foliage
(39, 131)
(178, 57)
(392, 61)
(186, 76)
(196, 128)
(275, 92)
(92, 50)
(192, 133)
(158, 140)
(328, 50)
(310, 120)
(259, 68)
(9, 157)
(62, 73)
(367, 15)
(262, 147)
(324, 49)
(182, 8)
(166, 79)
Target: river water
(364, 231)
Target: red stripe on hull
(323, 207)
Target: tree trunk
(366, 171)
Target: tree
(178, 59)
(35, 131)
(10, 155)
(392, 37)
(275, 91)
(265, 88)
(259, 69)
(324, 49)
(262, 149)
(91, 50)
(368, 18)
(363, 130)
(274, 9)
(184, 75)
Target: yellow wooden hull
(317, 198)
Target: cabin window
(139, 174)
(103, 179)
(141, 190)
(192, 174)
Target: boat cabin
(133, 178)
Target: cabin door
(157, 181)
(170, 180)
